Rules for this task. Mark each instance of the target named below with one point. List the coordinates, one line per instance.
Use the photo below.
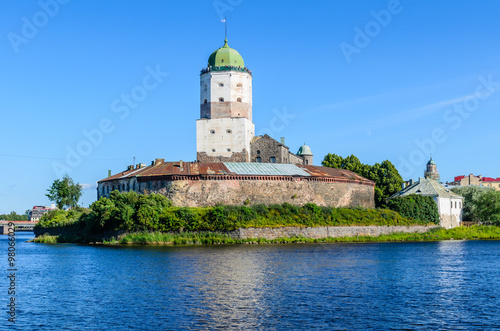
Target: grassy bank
(131, 212)
(477, 232)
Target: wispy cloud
(86, 186)
(415, 113)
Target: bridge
(18, 225)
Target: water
(450, 285)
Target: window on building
(228, 149)
(307, 161)
(221, 85)
(272, 159)
(150, 185)
(222, 60)
(229, 131)
(206, 101)
(213, 150)
(212, 131)
(455, 204)
(133, 186)
(258, 152)
(163, 184)
(258, 159)
(452, 204)
(239, 100)
(221, 99)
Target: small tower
(225, 128)
(431, 171)
(306, 153)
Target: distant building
(449, 204)
(431, 171)
(38, 211)
(472, 180)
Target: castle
(233, 166)
(225, 132)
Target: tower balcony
(225, 68)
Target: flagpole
(225, 23)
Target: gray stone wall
(266, 147)
(235, 157)
(325, 231)
(197, 193)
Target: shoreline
(477, 232)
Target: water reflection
(435, 285)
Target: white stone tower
(225, 128)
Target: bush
(130, 212)
(417, 207)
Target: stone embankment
(325, 231)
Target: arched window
(205, 101)
(221, 99)
(258, 159)
(239, 100)
(222, 60)
(272, 159)
(307, 161)
(258, 152)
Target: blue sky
(393, 80)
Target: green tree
(65, 193)
(488, 207)
(471, 196)
(416, 206)
(385, 175)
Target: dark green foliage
(13, 216)
(488, 207)
(385, 175)
(416, 206)
(65, 193)
(131, 212)
(471, 195)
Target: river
(451, 285)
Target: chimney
(403, 186)
(283, 140)
(181, 163)
(109, 173)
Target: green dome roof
(431, 161)
(304, 150)
(226, 56)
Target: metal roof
(265, 169)
(191, 169)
